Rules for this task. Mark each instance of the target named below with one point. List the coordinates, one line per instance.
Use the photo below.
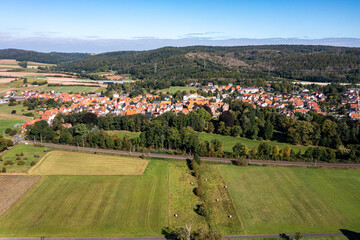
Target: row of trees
(178, 139)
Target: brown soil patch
(8, 61)
(115, 77)
(12, 188)
(6, 80)
(9, 66)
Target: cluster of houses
(288, 104)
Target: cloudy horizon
(95, 45)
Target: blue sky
(172, 19)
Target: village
(150, 104)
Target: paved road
(212, 159)
(162, 238)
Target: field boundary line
(151, 198)
(143, 167)
(209, 159)
(22, 198)
(232, 200)
(37, 165)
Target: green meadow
(229, 142)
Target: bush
(199, 191)
(21, 154)
(21, 163)
(242, 162)
(13, 132)
(8, 162)
(8, 130)
(25, 158)
(13, 112)
(3, 170)
(197, 159)
(1, 158)
(202, 210)
(9, 143)
(32, 163)
(36, 155)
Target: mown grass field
(75, 163)
(87, 206)
(124, 133)
(74, 89)
(28, 151)
(214, 187)
(8, 123)
(229, 142)
(20, 109)
(272, 200)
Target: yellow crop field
(75, 163)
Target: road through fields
(211, 159)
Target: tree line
(329, 139)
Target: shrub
(197, 159)
(3, 170)
(13, 112)
(9, 143)
(25, 158)
(241, 162)
(36, 155)
(8, 130)
(13, 132)
(202, 210)
(32, 163)
(199, 191)
(18, 158)
(21, 163)
(21, 154)
(1, 158)
(8, 162)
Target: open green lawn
(19, 108)
(28, 151)
(124, 133)
(75, 163)
(8, 123)
(72, 88)
(272, 200)
(173, 90)
(229, 142)
(92, 206)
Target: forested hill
(54, 57)
(311, 63)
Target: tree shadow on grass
(351, 235)
(284, 236)
(169, 233)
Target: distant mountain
(53, 57)
(303, 62)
